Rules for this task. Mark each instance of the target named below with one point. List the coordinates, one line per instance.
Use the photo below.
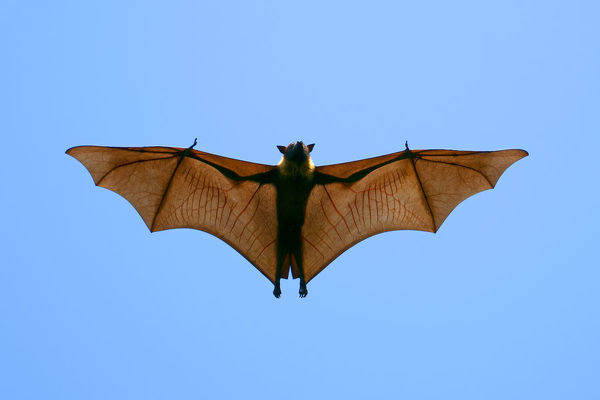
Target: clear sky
(502, 303)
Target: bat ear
(282, 149)
(310, 147)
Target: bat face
(296, 151)
(293, 215)
(296, 162)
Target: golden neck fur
(291, 168)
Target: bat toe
(303, 291)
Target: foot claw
(303, 291)
(277, 291)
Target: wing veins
(131, 163)
(245, 207)
(469, 153)
(336, 209)
(162, 199)
(459, 165)
(412, 161)
(144, 150)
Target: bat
(293, 215)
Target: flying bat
(293, 215)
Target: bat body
(294, 180)
(293, 215)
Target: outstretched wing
(406, 190)
(184, 188)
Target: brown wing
(179, 188)
(397, 192)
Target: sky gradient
(501, 303)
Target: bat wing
(184, 188)
(407, 190)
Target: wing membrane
(178, 188)
(416, 192)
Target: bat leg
(298, 256)
(277, 288)
(280, 260)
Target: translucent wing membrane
(179, 188)
(415, 190)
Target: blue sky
(501, 303)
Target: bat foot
(303, 291)
(277, 291)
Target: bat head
(297, 151)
